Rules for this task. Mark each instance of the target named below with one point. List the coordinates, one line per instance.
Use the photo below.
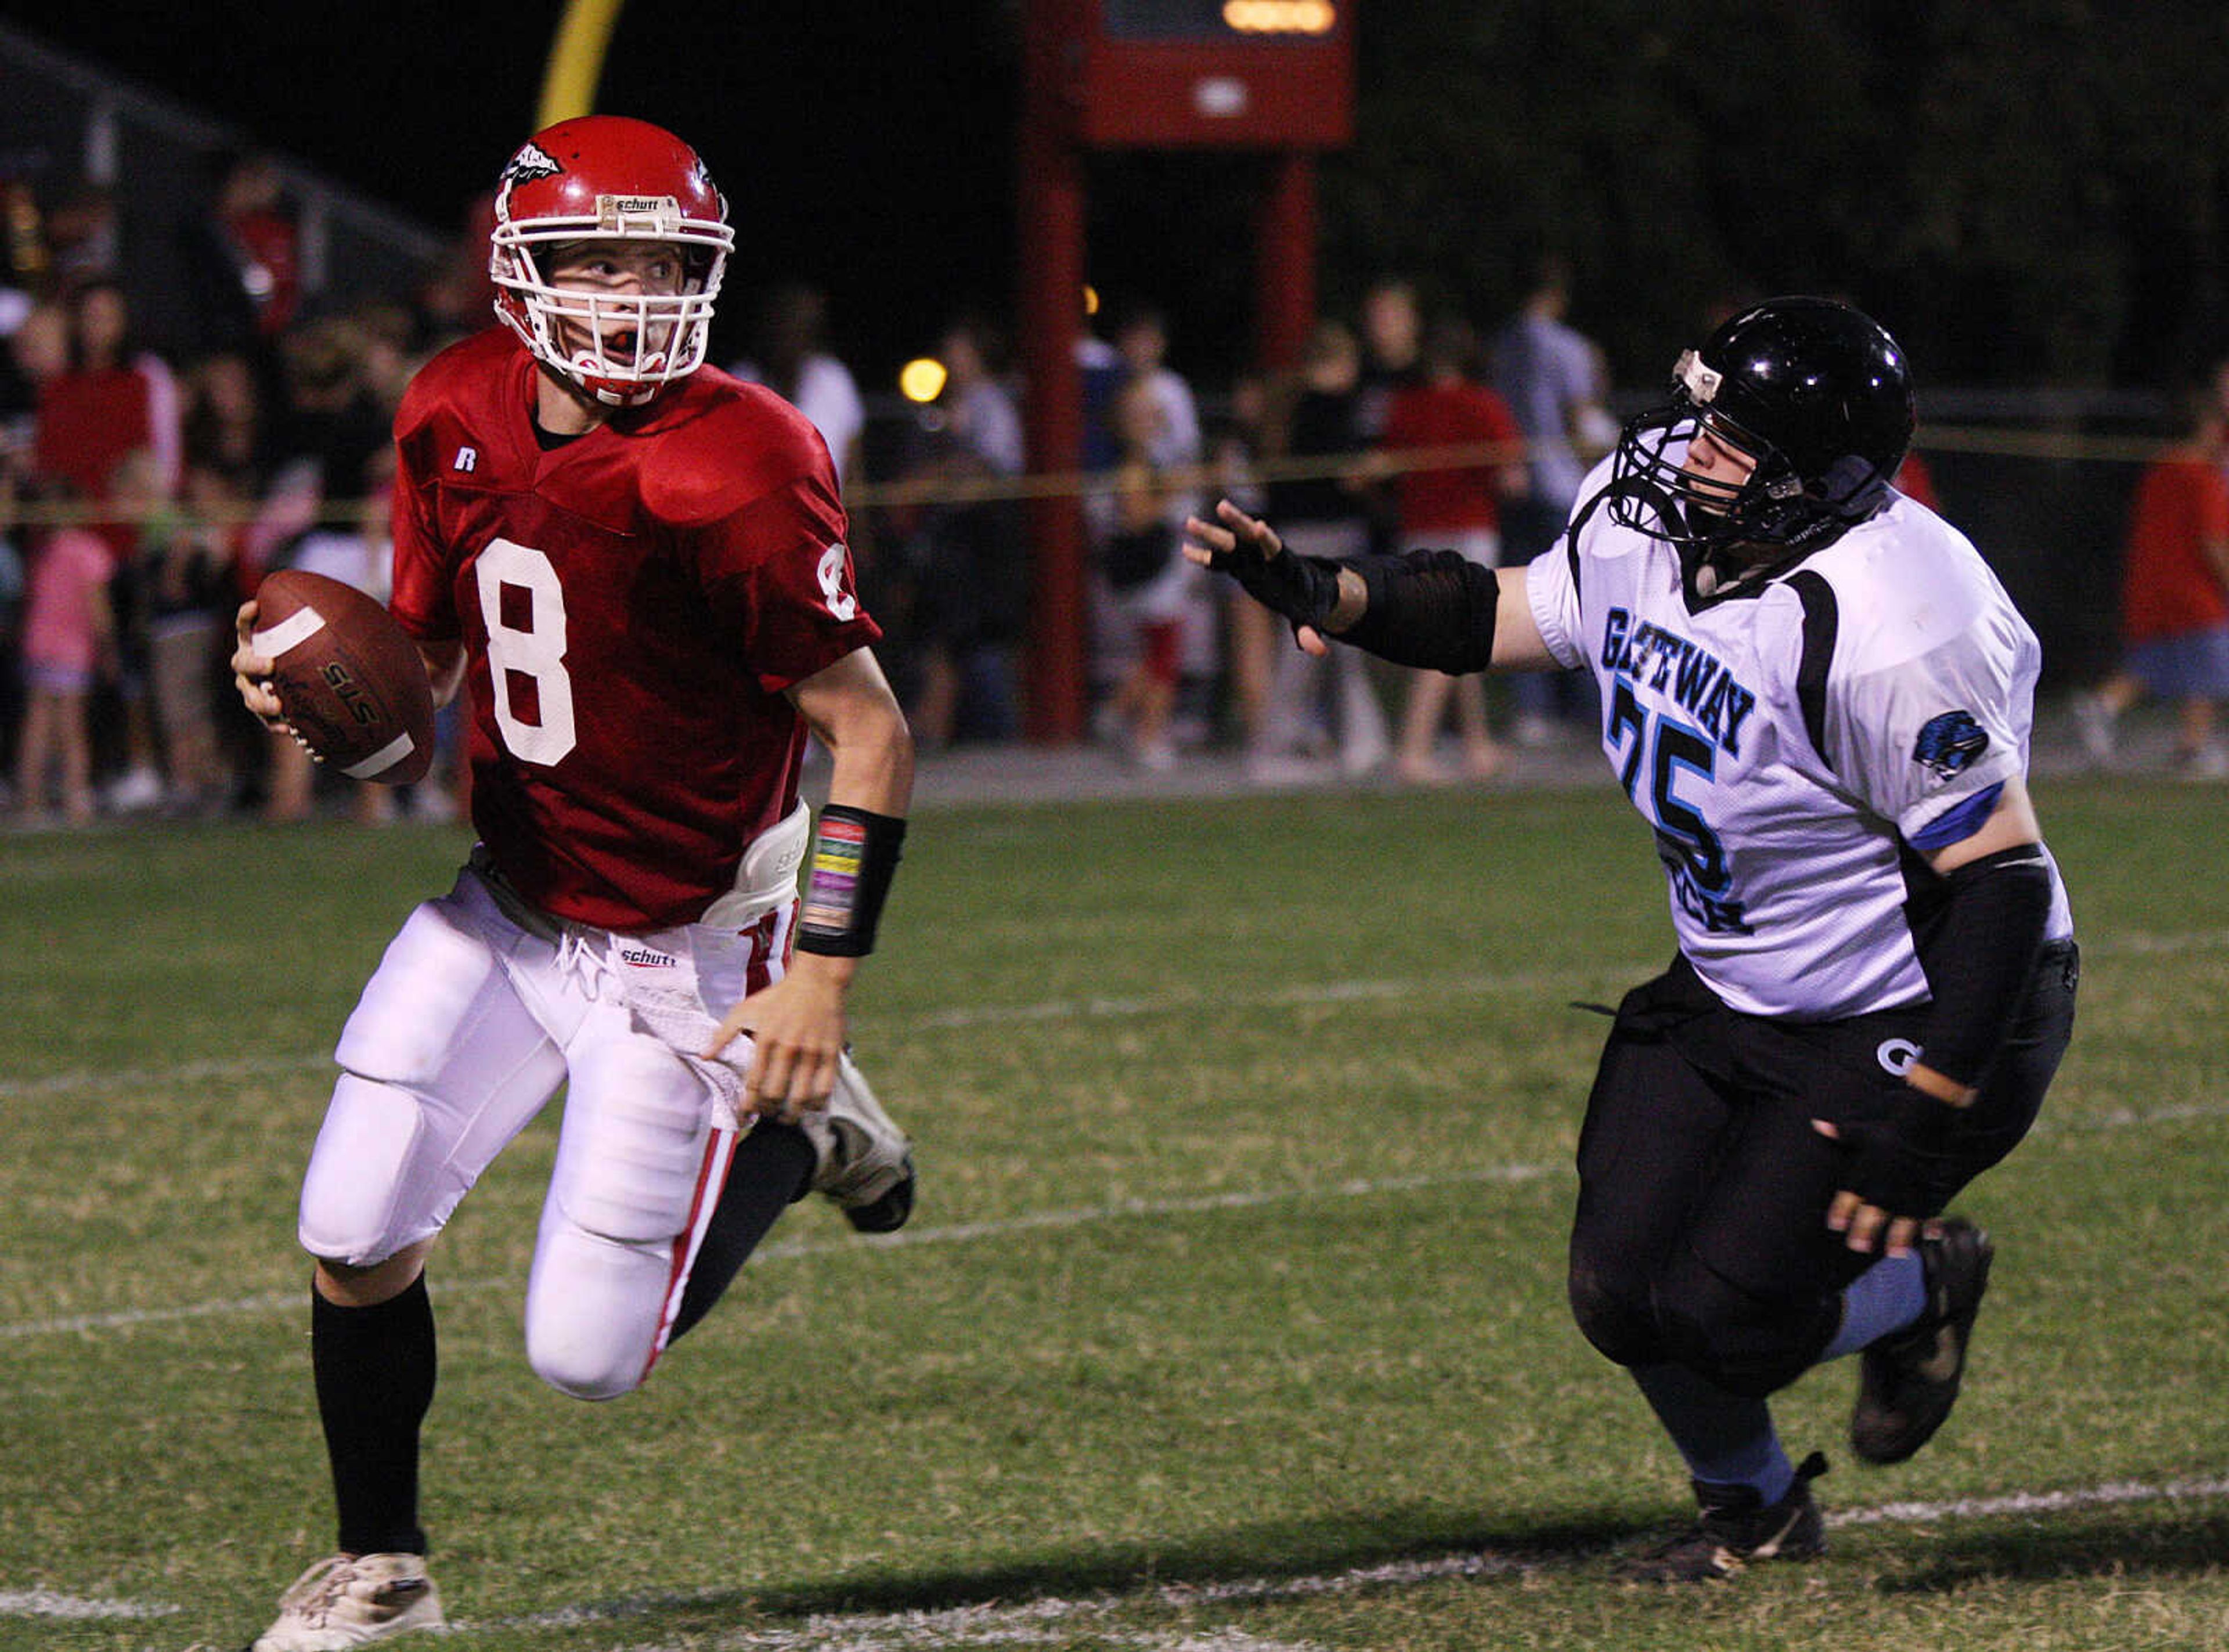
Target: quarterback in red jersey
(637, 567)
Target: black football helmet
(1817, 393)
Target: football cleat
(1734, 1528)
(1911, 1378)
(866, 1162)
(353, 1600)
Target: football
(354, 689)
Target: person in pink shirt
(69, 637)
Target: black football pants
(1700, 1236)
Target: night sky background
(2027, 193)
(865, 148)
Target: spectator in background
(1551, 377)
(13, 571)
(965, 554)
(184, 596)
(1141, 343)
(111, 399)
(1915, 481)
(1142, 346)
(1142, 524)
(1392, 322)
(242, 261)
(789, 356)
(330, 419)
(2174, 601)
(1456, 509)
(1316, 496)
(114, 401)
(1250, 631)
(69, 637)
(38, 351)
(84, 237)
(224, 426)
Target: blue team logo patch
(1950, 742)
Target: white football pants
(468, 1026)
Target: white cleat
(346, 1601)
(866, 1162)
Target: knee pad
(356, 1196)
(1745, 1343)
(594, 1310)
(1620, 1323)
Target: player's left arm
(1433, 610)
(1981, 959)
(799, 1025)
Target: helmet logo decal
(1950, 742)
(531, 162)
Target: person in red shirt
(639, 565)
(1452, 507)
(2174, 602)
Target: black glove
(1901, 1162)
(1303, 589)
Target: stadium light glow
(921, 380)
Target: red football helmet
(606, 178)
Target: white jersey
(1797, 744)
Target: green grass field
(1231, 1319)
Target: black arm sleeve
(1982, 956)
(1430, 608)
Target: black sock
(772, 1170)
(375, 1377)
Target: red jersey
(2168, 588)
(633, 604)
(89, 419)
(1446, 415)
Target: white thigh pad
(444, 1064)
(367, 1193)
(633, 1144)
(440, 999)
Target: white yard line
(45, 1603)
(788, 1249)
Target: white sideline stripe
(789, 1249)
(1090, 1009)
(1035, 1622)
(1063, 1009)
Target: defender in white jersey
(1820, 699)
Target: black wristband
(1433, 609)
(855, 854)
(1981, 957)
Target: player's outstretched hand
(251, 672)
(1303, 589)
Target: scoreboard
(1275, 75)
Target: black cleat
(1911, 1377)
(1735, 1529)
(888, 1213)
